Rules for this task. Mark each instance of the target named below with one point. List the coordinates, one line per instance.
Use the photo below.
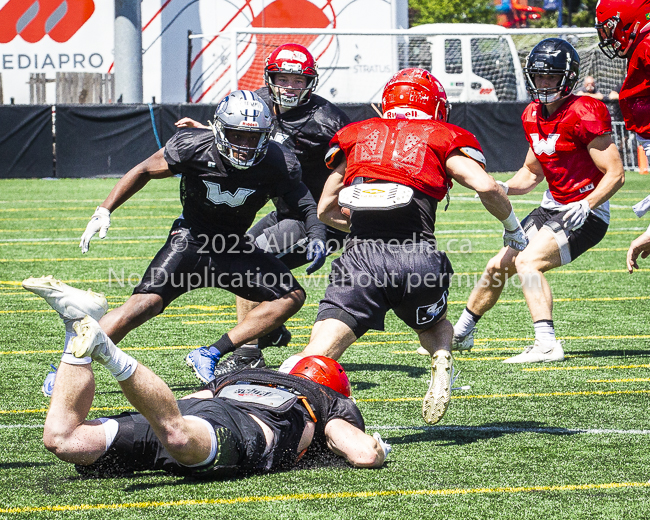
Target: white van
(474, 62)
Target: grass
(566, 440)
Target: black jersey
(415, 221)
(218, 198)
(242, 445)
(307, 131)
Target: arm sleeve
(344, 408)
(179, 148)
(594, 121)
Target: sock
(288, 364)
(544, 331)
(466, 323)
(253, 345)
(120, 365)
(67, 357)
(223, 345)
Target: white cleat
(539, 353)
(436, 400)
(462, 343)
(69, 302)
(91, 341)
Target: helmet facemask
(296, 96)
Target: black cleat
(243, 357)
(279, 337)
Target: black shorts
(240, 444)
(571, 244)
(287, 239)
(372, 277)
(234, 263)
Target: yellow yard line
(300, 497)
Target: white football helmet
(242, 111)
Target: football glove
(515, 239)
(100, 222)
(576, 214)
(384, 445)
(317, 254)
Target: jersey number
(217, 196)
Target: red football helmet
(411, 92)
(291, 58)
(619, 23)
(325, 371)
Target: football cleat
(462, 343)
(91, 341)
(243, 357)
(48, 384)
(203, 361)
(436, 400)
(279, 337)
(538, 353)
(69, 302)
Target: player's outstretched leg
(71, 304)
(91, 341)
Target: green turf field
(566, 440)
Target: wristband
(511, 223)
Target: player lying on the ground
(304, 123)
(395, 171)
(227, 175)
(624, 30)
(571, 146)
(255, 420)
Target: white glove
(384, 445)
(100, 222)
(576, 214)
(516, 239)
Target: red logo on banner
(33, 19)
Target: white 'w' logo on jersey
(544, 146)
(218, 197)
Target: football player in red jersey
(570, 146)
(623, 28)
(391, 173)
(304, 123)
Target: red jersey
(560, 144)
(634, 96)
(412, 152)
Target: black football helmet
(552, 56)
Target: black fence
(97, 140)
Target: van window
(492, 60)
(453, 57)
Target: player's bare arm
(527, 177)
(607, 159)
(639, 246)
(155, 167)
(359, 449)
(470, 174)
(188, 122)
(329, 210)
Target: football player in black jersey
(305, 123)
(228, 173)
(258, 420)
